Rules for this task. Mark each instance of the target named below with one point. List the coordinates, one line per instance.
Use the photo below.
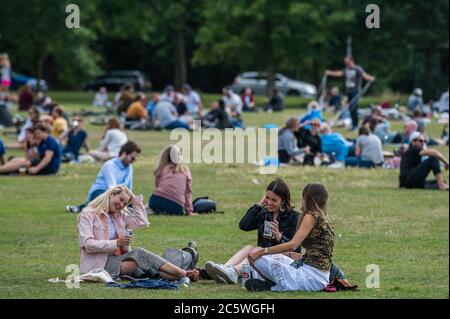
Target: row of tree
(207, 42)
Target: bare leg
(441, 182)
(128, 267)
(240, 256)
(100, 155)
(14, 165)
(170, 271)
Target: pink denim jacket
(93, 234)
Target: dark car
(114, 80)
(19, 80)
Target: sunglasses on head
(420, 140)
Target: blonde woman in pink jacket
(105, 240)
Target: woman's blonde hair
(101, 203)
(170, 156)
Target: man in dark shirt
(217, 117)
(414, 171)
(276, 102)
(76, 139)
(49, 152)
(354, 76)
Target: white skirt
(278, 269)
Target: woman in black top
(275, 210)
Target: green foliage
(300, 38)
(404, 232)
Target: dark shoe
(258, 285)
(203, 274)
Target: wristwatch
(266, 251)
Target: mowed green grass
(404, 232)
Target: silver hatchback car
(257, 81)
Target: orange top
(137, 111)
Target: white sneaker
(72, 209)
(226, 274)
(337, 165)
(210, 269)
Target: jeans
(359, 162)
(353, 109)
(161, 205)
(417, 177)
(177, 124)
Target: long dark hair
(315, 199)
(279, 187)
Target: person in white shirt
(192, 99)
(112, 141)
(233, 102)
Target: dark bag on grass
(204, 205)
(185, 258)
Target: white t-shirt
(113, 141)
(371, 149)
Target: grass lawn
(404, 232)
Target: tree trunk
(270, 74)
(180, 70)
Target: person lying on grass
(315, 233)
(105, 240)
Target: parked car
(257, 81)
(114, 80)
(20, 79)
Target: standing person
(316, 234)
(5, 70)
(116, 171)
(354, 76)
(173, 184)
(369, 151)
(274, 211)
(60, 125)
(105, 242)
(75, 138)
(112, 141)
(414, 170)
(193, 100)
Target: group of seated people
(295, 256)
(312, 142)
